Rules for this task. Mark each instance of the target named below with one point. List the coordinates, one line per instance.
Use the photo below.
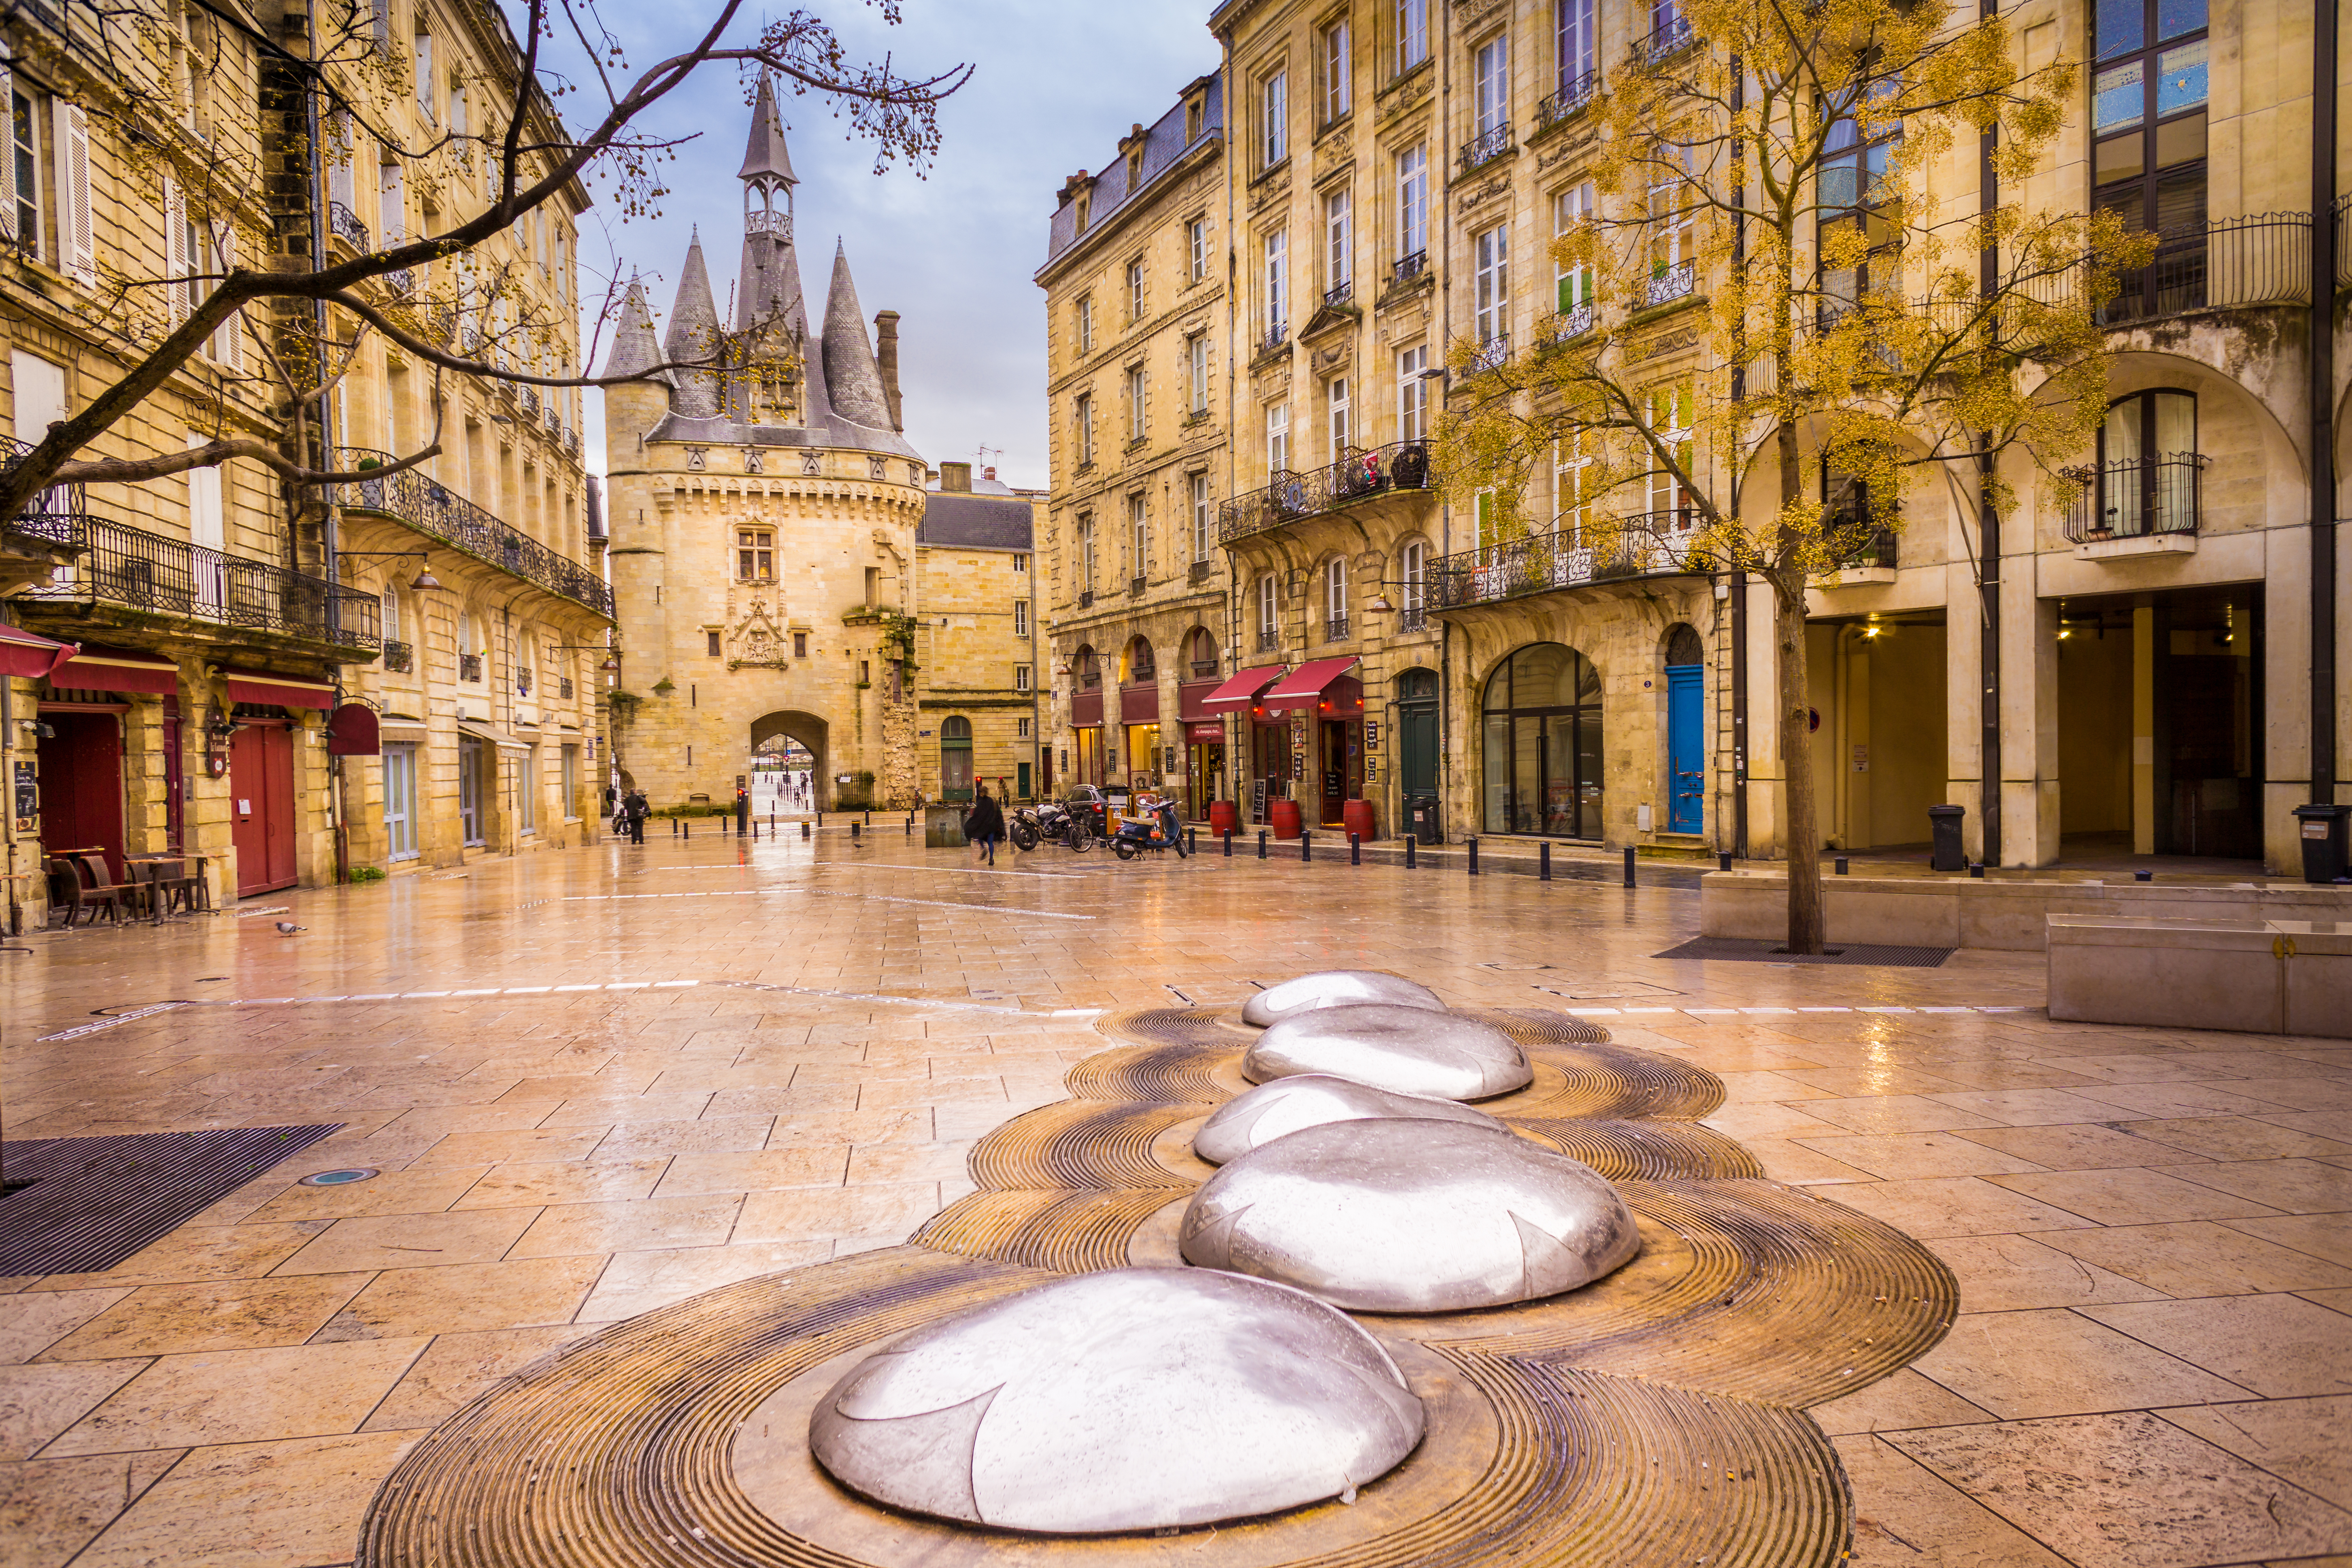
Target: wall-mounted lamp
(426, 582)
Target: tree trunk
(1807, 922)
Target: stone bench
(2261, 977)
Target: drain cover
(338, 1178)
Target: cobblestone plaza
(600, 1084)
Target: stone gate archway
(808, 730)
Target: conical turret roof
(635, 347)
(765, 157)
(852, 377)
(694, 335)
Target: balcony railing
(1857, 540)
(1649, 544)
(2137, 498)
(1335, 629)
(530, 395)
(401, 280)
(1413, 618)
(1492, 354)
(400, 657)
(564, 688)
(57, 515)
(469, 666)
(129, 566)
(1666, 35)
(1668, 284)
(1400, 466)
(345, 225)
(1269, 642)
(1564, 326)
(1573, 95)
(571, 442)
(523, 683)
(1275, 334)
(1486, 147)
(1407, 268)
(424, 505)
(768, 222)
(2264, 259)
(1340, 293)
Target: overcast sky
(1057, 83)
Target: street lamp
(426, 582)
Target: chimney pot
(989, 474)
(886, 356)
(955, 478)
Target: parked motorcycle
(1049, 823)
(1156, 830)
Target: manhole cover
(338, 1178)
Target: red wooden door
(81, 784)
(261, 784)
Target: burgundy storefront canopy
(284, 690)
(98, 669)
(1304, 687)
(30, 655)
(1241, 690)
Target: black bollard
(686, 828)
(1629, 865)
(1229, 843)
(1355, 849)
(2143, 876)
(804, 827)
(869, 816)
(1191, 841)
(1261, 843)
(820, 816)
(1409, 843)
(853, 831)
(1543, 862)
(1840, 864)
(910, 826)
(1472, 844)
(1977, 869)
(673, 827)
(1722, 861)
(1306, 849)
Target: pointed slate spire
(765, 160)
(853, 378)
(694, 335)
(635, 347)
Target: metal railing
(1573, 95)
(1340, 293)
(400, 657)
(58, 515)
(2264, 259)
(1646, 544)
(1407, 268)
(1668, 35)
(1275, 334)
(530, 395)
(1492, 354)
(768, 222)
(345, 225)
(1335, 629)
(1857, 540)
(129, 566)
(571, 442)
(1361, 473)
(1563, 326)
(2137, 498)
(523, 683)
(1486, 147)
(399, 279)
(1413, 618)
(424, 505)
(1269, 642)
(564, 688)
(1668, 284)
(469, 666)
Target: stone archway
(806, 728)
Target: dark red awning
(354, 732)
(1139, 704)
(1189, 696)
(284, 690)
(1304, 687)
(30, 655)
(1086, 709)
(117, 669)
(1241, 689)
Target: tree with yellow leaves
(1785, 188)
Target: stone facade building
(763, 510)
(975, 555)
(221, 620)
(2145, 665)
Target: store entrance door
(261, 786)
(1686, 751)
(81, 783)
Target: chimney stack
(955, 478)
(987, 474)
(886, 352)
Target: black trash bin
(1944, 827)
(2323, 831)
(1421, 819)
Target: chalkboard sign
(28, 797)
(1257, 800)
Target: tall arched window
(1200, 653)
(1543, 734)
(955, 759)
(1335, 598)
(2148, 466)
(1141, 667)
(1086, 669)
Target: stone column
(1964, 692)
(2143, 730)
(2028, 719)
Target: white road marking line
(78, 1030)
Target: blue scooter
(1158, 829)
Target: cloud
(1056, 83)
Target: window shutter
(8, 150)
(176, 250)
(228, 340)
(76, 234)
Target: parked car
(1086, 802)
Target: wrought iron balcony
(1648, 544)
(554, 419)
(1564, 326)
(1362, 473)
(1407, 268)
(1857, 540)
(399, 657)
(1492, 354)
(1341, 293)
(345, 225)
(1668, 284)
(469, 666)
(1335, 629)
(1669, 32)
(2137, 498)
(530, 395)
(1573, 95)
(1412, 618)
(1486, 147)
(564, 688)
(523, 683)
(422, 503)
(571, 442)
(401, 280)
(58, 516)
(1275, 334)
(1269, 642)
(2264, 259)
(143, 571)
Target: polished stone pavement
(599, 1082)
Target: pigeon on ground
(288, 928)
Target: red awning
(31, 655)
(1304, 687)
(353, 731)
(1086, 709)
(1189, 694)
(284, 690)
(1241, 689)
(1139, 704)
(117, 669)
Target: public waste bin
(1421, 819)
(1943, 829)
(2323, 832)
(943, 827)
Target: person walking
(638, 808)
(983, 826)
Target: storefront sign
(1371, 732)
(28, 797)
(1257, 800)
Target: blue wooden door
(1685, 750)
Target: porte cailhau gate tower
(764, 505)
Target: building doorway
(1416, 722)
(400, 802)
(790, 746)
(1685, 731)
(1541, 729)
(955, 759)
(470, 823)
(81, 762)
(261, 790)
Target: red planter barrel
(1283, 816)
(1357, 817)
(1223, 818)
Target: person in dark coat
(985, 825)
(638, 808)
